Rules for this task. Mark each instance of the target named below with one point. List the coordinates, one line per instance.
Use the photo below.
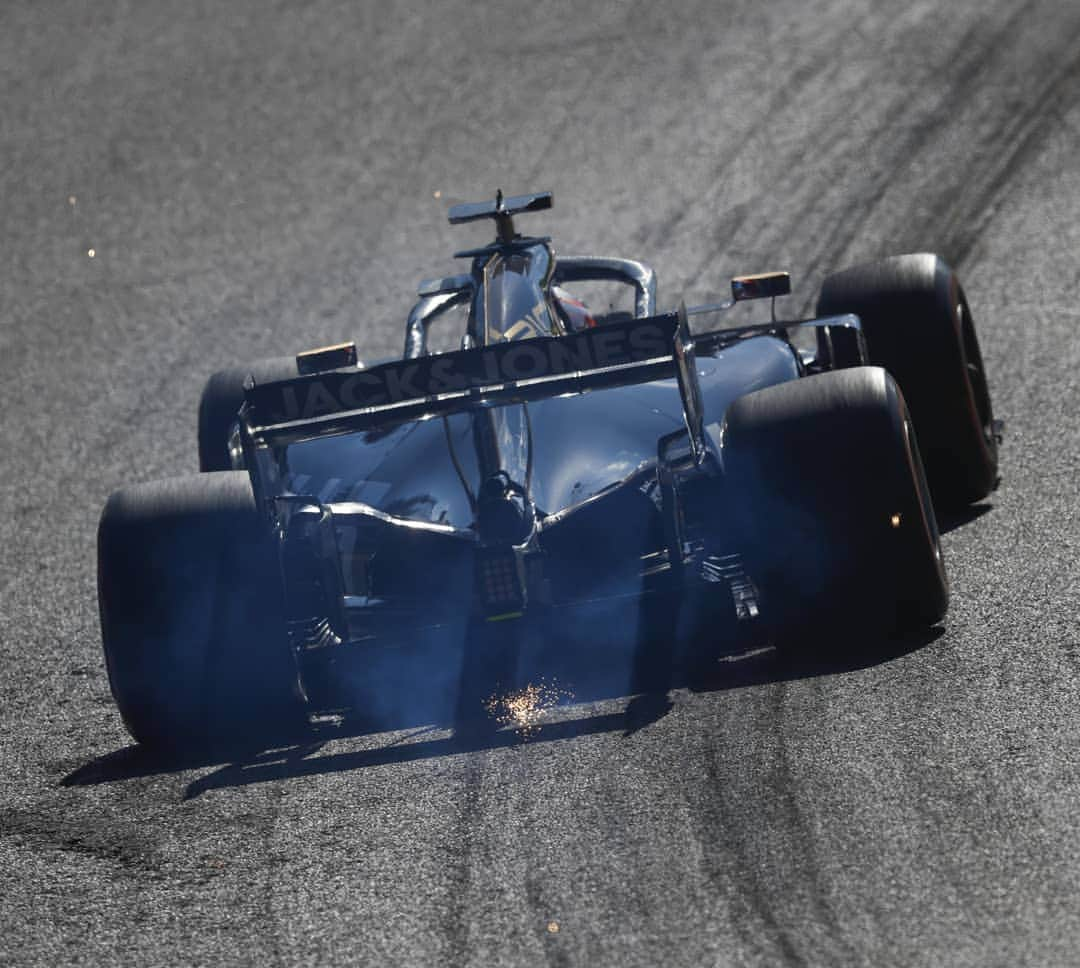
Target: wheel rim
(975, 372)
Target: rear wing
(350, 399)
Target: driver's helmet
(575, 313)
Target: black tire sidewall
(191, 610)
(817, 470)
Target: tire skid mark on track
(956, 211)
(274, 938)
(118, 843)
(1023, 139)
(801, 830)
(456, 921)
(977, 57)
(538, 906)
(737, 844)
(790, 172)
(820, 63)
(799, 182)
(967, 200)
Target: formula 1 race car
(568, 482)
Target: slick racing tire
(838, 523)
(220, 403)
(918, 326)
(190, 600)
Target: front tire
(190, 601)
(919, 327)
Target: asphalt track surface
(253, 181)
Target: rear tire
(220, 403)
(190, 601)
(839, 527)
(918, 326)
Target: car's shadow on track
(951, 520)
(394, 743)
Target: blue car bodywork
(544, 483)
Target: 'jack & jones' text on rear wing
(634, 351)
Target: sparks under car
(566, 477)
